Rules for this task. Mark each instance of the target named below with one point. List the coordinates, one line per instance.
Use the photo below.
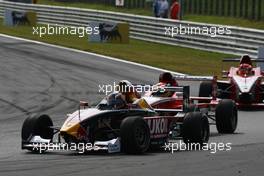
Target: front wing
(41, 145)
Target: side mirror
(225, 74)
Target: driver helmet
(167, 78)
(115, 101)
(245, 68)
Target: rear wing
(193, 78)
(239, 59)
(259, 61)
(212, 79)
(185, 98)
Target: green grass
(174, 58)
(148, 12)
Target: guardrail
(240, 41)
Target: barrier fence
(240, 41)
(248, 9)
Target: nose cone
(70, 128)
(72, 123)
(245, 84)
(244, 88)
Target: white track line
(92, 54)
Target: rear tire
(226, 116)
(195, 128)
(135, 135)
(205, 90)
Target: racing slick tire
(37, 126)
(205, 90)
(195, 128)
(226, 116)
(135, 135)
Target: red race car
(244, 84)
(211, 107)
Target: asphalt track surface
(37, 79)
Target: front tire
(37, 126)
(226, 116)
(135, 135)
